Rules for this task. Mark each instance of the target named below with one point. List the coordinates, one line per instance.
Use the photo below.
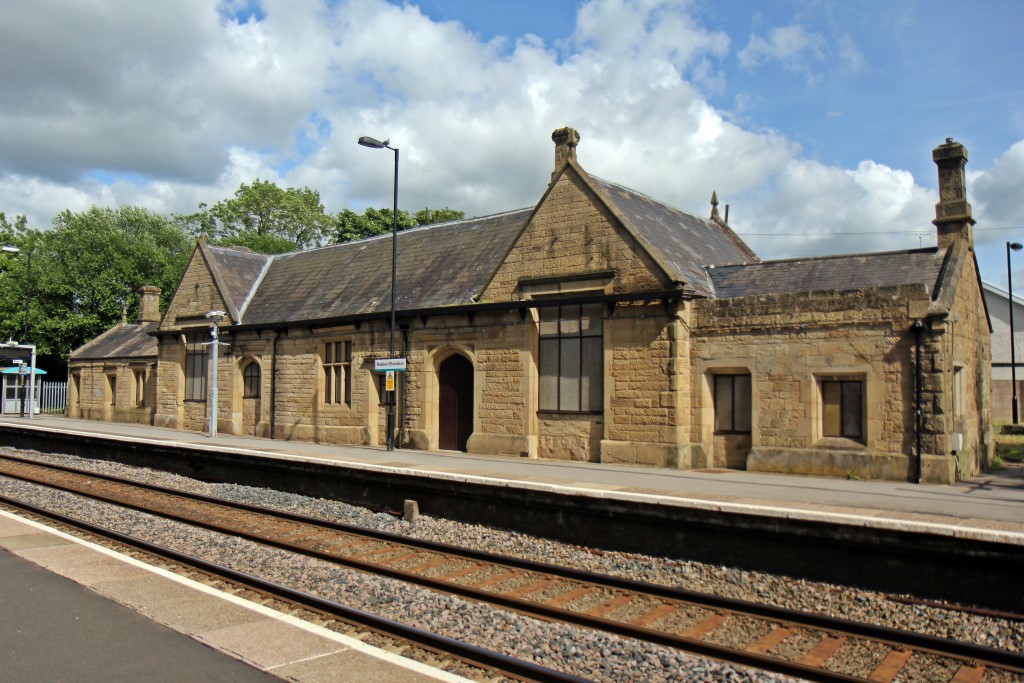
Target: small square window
(843, 408)
(732, 403)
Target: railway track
(808, 646)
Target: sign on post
(389, 381)
(389, 365)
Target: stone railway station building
(599, 325)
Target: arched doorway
(252, 391)
(455, 403)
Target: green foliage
(262, 244)
(89, 267)
(431, 216)
(263, 208)
(350, 225)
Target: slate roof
(126, 340)
(238, 270)
(685, 243)
(843, 272)
(438, 265)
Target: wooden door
(455, 404)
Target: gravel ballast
(581, 652)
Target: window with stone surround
(732, 404)
(571, 358)
(959, 392)
(337, 365)
(195, 366)
(251, 380)
(139, 377)
(842, 414)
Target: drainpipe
(273, 386)
(918, 331)
(402, 435)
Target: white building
(996, 300)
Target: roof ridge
(827, 257)
(414, 229)
(255, 286)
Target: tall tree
(263, 208)
(91, 265)
(350, 225)
(13, 267)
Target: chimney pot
(953, 219)
(565, 140)
(149, 304)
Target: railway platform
(73, 611)
(992, 501)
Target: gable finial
(714, 206)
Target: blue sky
(928, 66)
(813, 119)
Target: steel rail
(472, 654)
(886, 635)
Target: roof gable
(575, 231)
(672, 246)
(198, 293)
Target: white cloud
(850, 54)
(792, 46)
(996, 191)
(184, 104)
(816, 209)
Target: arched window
(251, 380)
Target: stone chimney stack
(953, 219)
(565, 140)
(149, 304)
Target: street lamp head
(10, 250)
(367, 141)
(1016, 246)
(216, 316)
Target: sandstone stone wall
(789, 344)
(107, 390)
(968, 350)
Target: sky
(814, 120)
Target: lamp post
(377, 144)
(216, 317)
(1012, 246)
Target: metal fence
(53, 397)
